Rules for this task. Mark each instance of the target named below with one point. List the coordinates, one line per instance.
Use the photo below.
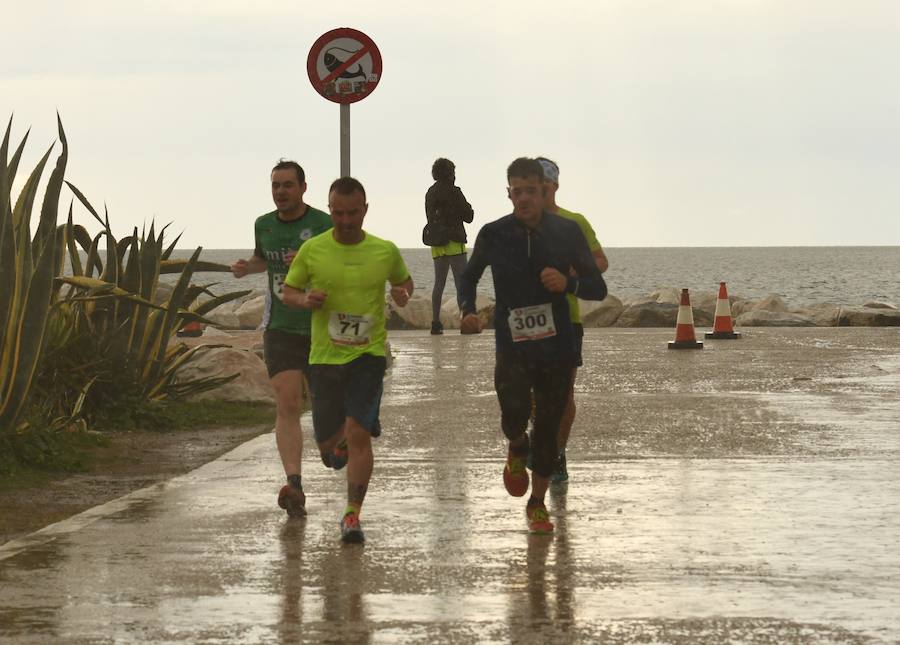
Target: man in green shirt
(341, 278)
(286, 338)
(551, 182)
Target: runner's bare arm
(293, 297)
(313, 299)
(402, 292)
(242, 267)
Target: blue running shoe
(351, 531)
(561, 474)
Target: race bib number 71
(531, 323)
(349, 329)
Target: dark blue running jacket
(517, 256)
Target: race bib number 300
(349, 329)
(531, 323)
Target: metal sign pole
(344, 66)
(345, 139)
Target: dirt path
(133, 460)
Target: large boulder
(224, 316)
(163, 293)
(705, 301)
(415, 315)
(215, 335)
(766, 318)
(740, 306)
(822, 314)
(648, 314)
(250, 313)
(666, 295)
(771, 302)
(601, 314)
(252, 384)
(868, 317)
(450, 310)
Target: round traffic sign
(344, 65)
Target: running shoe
(292, 500)
(351, 531)
(340, 455)
(515, 476)
(538, 520)
(437, 328)
(561, 474)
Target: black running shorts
(351, 390)
(285, 351)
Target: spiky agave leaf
(23, 346)
(170, 321)
(71, 237)
(7, 240)
(168, 252)
(205, 307)
(175, 360)
(177, 266)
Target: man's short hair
(551, 169)
(442, 169)
(525, 167)
(347, 186)
(287, 164)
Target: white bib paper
(278, 285)
(349, 329)
(531, 323)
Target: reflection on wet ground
(745, 493)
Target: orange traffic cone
(723, 327)
(684, 327)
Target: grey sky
(683, 123)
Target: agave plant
(61, 335)
(119, 302)
(27, 268)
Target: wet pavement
(748, 492)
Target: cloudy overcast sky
(675, 123)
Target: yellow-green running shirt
(593, 244)
(351, 322)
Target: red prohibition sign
(344, 65)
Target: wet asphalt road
(745, 493)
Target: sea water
(844, 275)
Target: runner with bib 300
(532, 255)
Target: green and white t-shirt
(593, 244)
(353, 276)
(275, 238)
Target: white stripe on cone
(684, 324)
(723, 323)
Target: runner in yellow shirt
(551, 181)
(343, 273)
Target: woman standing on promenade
(446, 209)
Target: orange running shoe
(538, 519)
(515, 476)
